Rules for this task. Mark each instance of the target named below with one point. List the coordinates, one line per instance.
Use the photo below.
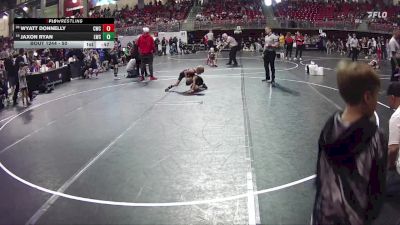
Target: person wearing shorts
(192, 78)
(114, 63)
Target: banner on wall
(72, 7)
(160, 35)
(379, 15)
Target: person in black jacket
(352, 156)
(164, 43)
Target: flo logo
(380, 15)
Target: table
(54, 76)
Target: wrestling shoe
(153, 77)
(168, 88)
(141, 78)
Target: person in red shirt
(146, 48)
(289, 45)
(299, 45)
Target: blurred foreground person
(352, 157)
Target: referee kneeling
(271, 43)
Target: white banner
(380, 15)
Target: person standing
(299, 45)
(379, 55)
(146, 48)
(11, 74)
(289, 45)
(354, 45)
(352, 156)
(393, 176)
(238, 36)
(383, 46)
(23, 71)
(229, 41)
(18, 60)
(114, 63)
(270, 46)
(394, 46)
(210, 39)
(348, 47)
(164, 46)
(393, 94)
(281, 41)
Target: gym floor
(121, 152)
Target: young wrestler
(192, 78)
(212, 58)
(114, 63)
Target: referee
(271, 43)
(233, 44)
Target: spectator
(384, 49)
(352, 158)
(299, 45)
(289, 45)
(19, 59)
(3, 86)
(23, 85)
(281, 41)
(329, 46)
(10, 71)
(210, 39)
(164, 46)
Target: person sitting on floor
(131, 68)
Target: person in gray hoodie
(352, 157)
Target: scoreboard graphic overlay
(64, 33)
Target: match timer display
(64, 33)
